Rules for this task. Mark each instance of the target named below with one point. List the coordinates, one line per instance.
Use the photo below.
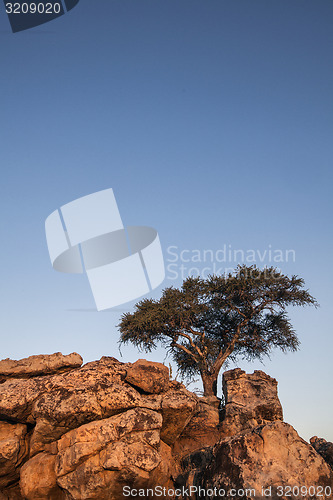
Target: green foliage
(207, 322)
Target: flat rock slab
(42, 364)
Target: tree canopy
(208, 321)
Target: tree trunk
(209, 384)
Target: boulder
(269, 457)
(66, 408)
(324, 448)
(87, 432)
(41, 364)
(89, 439)
(163, 474)
(202, 430)
(250, 400)
(178, 406)
(55, 404)
(13, 451)
(97, 459)
(38, 479)
(148, 376)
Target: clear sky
(212, 121)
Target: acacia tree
(208, 321)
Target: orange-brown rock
(86, 432)
(273, 457)
(38, 479)
(41, 364)
(13, 451)
(150, 377)
(54, 404)
(96, 459)
(202, 430)
(178, 406)
(250, 400)
(324, 448)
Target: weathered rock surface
(250, 400)
(13, 451)
(268, 456)
(97, 459)
(150, 377)
(41, 364)
(255, 449)
(272, 457)
(324, 448)
(178, 406)
(85, 432)
(38, 478)
(56, 404)
(202, 430)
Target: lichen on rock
(85, 432)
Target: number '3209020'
(33, 8)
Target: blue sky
(211, 120)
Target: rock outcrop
(250, 400)
(13, 451)
(152, 378)
(324, 448)
(87, 432)
(38, 365)
(97, 459)
(269, 457)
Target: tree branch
(193, 345)
(183, 348)
(235, 308)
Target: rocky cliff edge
(111, 430)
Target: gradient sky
(212, 121)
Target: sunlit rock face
(269, 457)
(250, 400)
(107, 428)
(41, 364)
